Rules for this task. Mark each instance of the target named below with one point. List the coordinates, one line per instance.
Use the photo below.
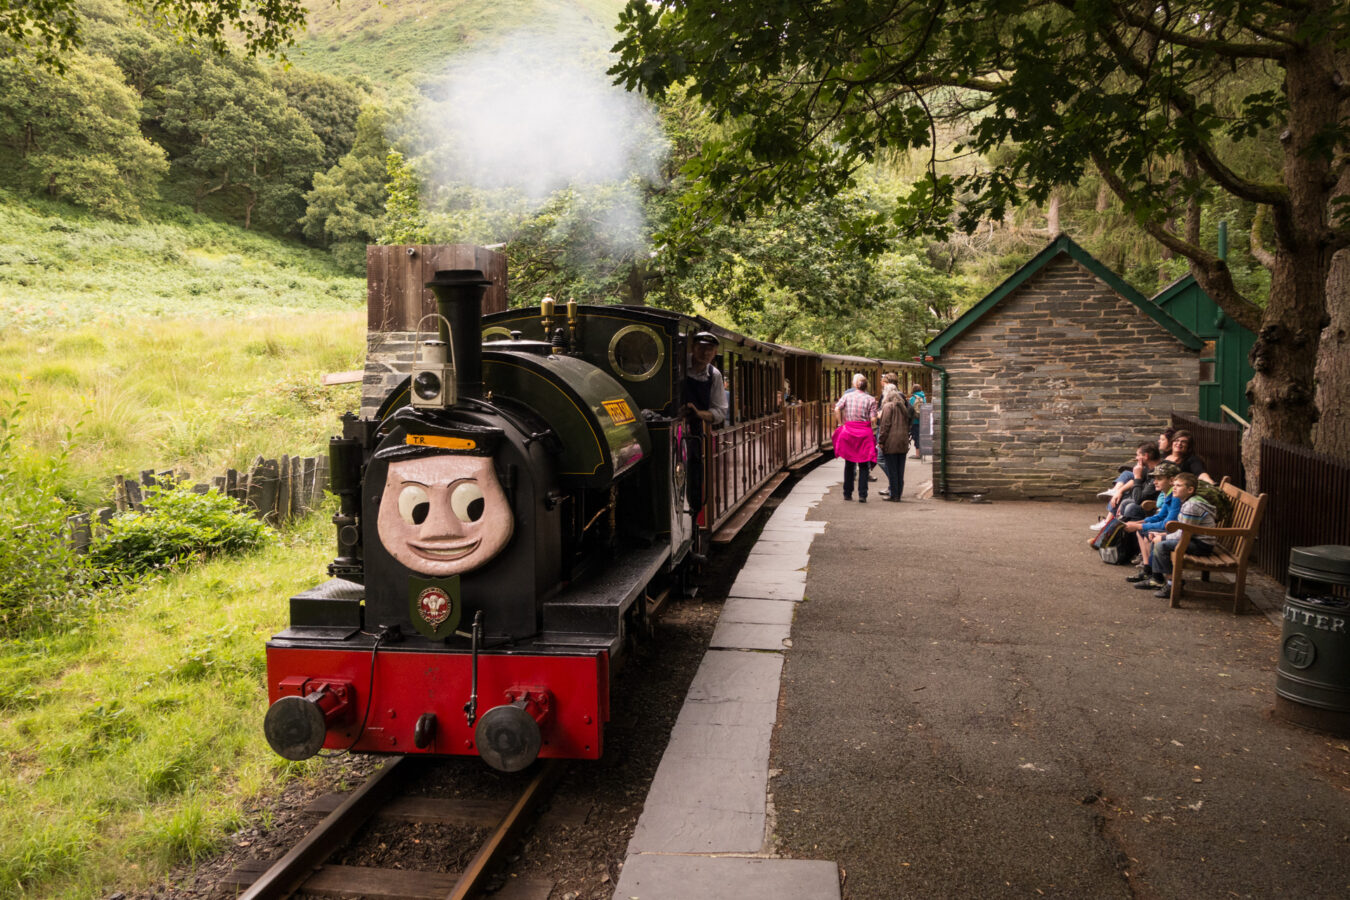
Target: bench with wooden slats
(1232, 551)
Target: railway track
(304, 870)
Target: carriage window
(636, 352)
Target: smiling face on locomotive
(443, 513)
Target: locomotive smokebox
(459, 300)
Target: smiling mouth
(444, 550)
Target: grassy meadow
(132, 742)
(130, 727)
(385, 42)
(189, 345)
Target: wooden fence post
(81, 534)
(284, 490)
(262, 489)
(307, 483)
(134, 498)
(296, 504)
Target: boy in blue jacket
(1169, 506)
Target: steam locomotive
(503, 521)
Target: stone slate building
(1047, 385)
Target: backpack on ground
(1109, 534)
(1113, 542)
(1118, 554)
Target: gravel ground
(580, 843)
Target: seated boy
(1168, 509)
(1195, 510)
(1135, 487)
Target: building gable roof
(1062, 244)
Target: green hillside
(386, 41)
(176, 342)
(62, 267)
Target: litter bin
(1312, 680)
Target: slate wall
(1051, 391)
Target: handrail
(743, 458)
(1234, 416)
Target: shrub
(178, 525)
(43, 575)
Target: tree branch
(1230, 49)
(1259, 252)
(1205, 157)
(1211, 272)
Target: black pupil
(419, 513)
(475, 509)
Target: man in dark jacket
(705, 405)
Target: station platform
(941, 699)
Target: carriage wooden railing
(802, 430)
(743, 458)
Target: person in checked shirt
(854, 441)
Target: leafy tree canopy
(811, 90)
(345, 208)
(329, 105)
(77, 136)
(231, 133)
(1139, 92)
(50, 29)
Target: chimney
(459, 300)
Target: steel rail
(287, 875)
(476, 873)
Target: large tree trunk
(1332, 434)
(1283, 392)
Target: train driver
(705, 401)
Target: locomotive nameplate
(447, 443)
(620, 413)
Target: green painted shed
(1225, 364)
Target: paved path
(972, 705)
(703, 831)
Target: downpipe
(942, 417)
